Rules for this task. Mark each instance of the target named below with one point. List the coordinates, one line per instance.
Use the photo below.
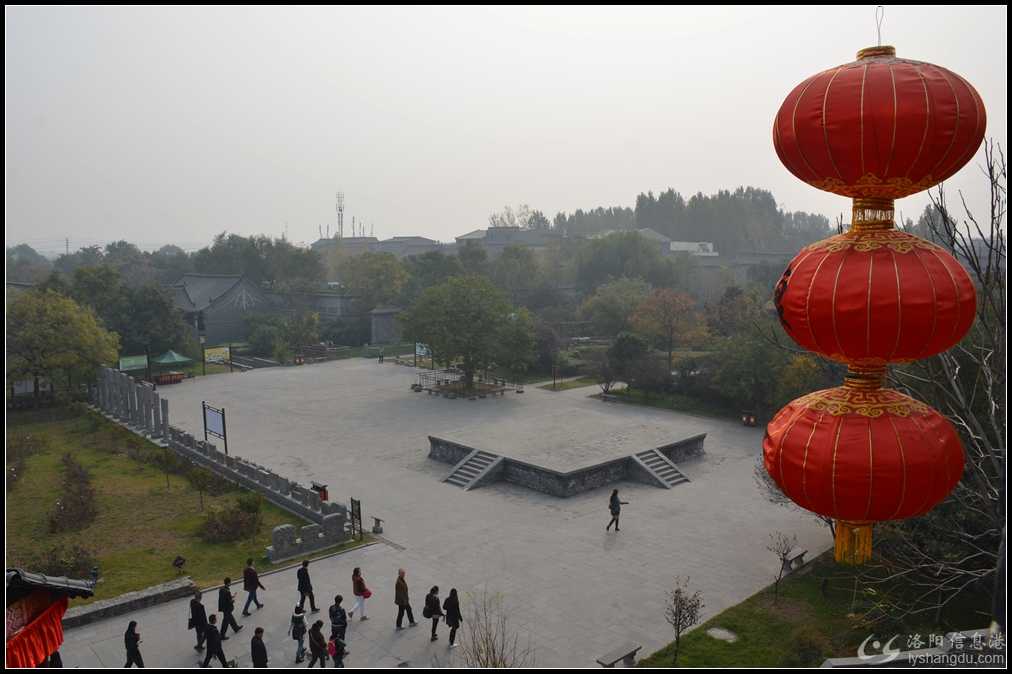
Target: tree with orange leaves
(668, 316)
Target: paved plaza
(573, 588)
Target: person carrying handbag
(361, 593)
(432, 610)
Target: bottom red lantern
(861, 454)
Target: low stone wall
(564, 484)
(126, 603)
(136, 406)
(447, 451)
(569, 483)
(683, 450)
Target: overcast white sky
(161, 125)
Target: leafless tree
(774, 495)
(781, 545)
(490, 640)
(954, 547)
(682, 610)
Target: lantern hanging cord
(879, 15)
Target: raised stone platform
(473, 467)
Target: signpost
(356, 518)
(218, 354)
(214, 423)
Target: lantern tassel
(853, 542)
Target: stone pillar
(165, 417)
(156, 415)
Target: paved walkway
(572, 587)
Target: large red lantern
(861, 454)
(875, 130)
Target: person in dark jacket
(402, 601)
(317, 645)
(615, 507)
(338, 619)
(226, 604)
(337, 650)
(451, 607)
(306, 587)
(297, 629)
(132, 640)
(258, 649)
(198, 619)
(251, 583)
(214, 649)
(433, 609)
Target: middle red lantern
(868, 298)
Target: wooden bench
(794, 560)
(626, 653)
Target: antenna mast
(340, 215)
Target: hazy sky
(170, 125)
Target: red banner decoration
(40, 638)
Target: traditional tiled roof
(196, 292)
(20, 583)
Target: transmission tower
(340, 215)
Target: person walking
(615, 507)
(451, 607)
(132, 640)
(251, 583)
(298, 631)
(402, 601)
(226, 604)
(214, 649)
(258, 649)
(306, 587)
(433, 610)
(361, 593)
(317, 645)
(198, 619)
(338, 619)
(337, 650)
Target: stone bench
(794, 560)
(626, 653)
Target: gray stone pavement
(571, 587)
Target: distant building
(17, 288)
(694, 248)
(666, 246)
(216, 307)
(401, 246)
(497, 239)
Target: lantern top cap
(881, 50)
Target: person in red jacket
(251, 583)
(361, 593)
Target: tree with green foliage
(374, 278)
(427, 270)
(669, 317)
(24, 264)
(51, 337)
(467, 320)
(515, 271)
(516, 343)
(625, 355)
(610, 309)
(473, 258)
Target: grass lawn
(676, 401)
(806, 625)
(580, 382)
(141, 524)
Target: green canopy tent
(171, 359)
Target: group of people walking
(210, 637)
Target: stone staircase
(661, 468)
(475, 465)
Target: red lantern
(861, 454)
(868, 298)
(875, 130)
(880, 126)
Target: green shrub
(71, 561)
(808, 648)
(250, 502)
(77, 506)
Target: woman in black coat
(433, 610)
(132, 640)
(317, 644)
(451, 607)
